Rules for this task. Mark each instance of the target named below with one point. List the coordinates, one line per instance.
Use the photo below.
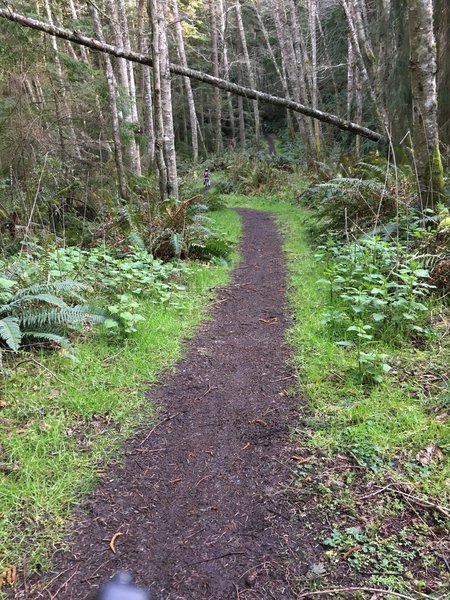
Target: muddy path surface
(199, 502)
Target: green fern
(58, 287)
(176, 241)
(69, 315)
(39, 312)
(10, 332)
(35, 298)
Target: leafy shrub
(376, 292)
(249, 176)
(372, 282)
(366, 199)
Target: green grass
(61, 422)
(377, 425)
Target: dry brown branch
(369, 590)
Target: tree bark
(64, 112)
(217, 101)
(362, 48)
(424, 92)
(165, 138)
(128, 108)
(147, 101)
(118, 154)
(312, 21)
(226, 68)
(289, 57)
(239, 90)
(187, 82)
(248, 64)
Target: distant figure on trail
(206, 179)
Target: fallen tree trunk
(239, 90)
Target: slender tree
(424, 93)
(162, 95)
(187, 82)
(112, 95)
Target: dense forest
(361, 61)
(269, 179)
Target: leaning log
(239, 90)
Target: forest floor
(200, 508)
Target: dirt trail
(197, 503)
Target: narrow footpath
(197, 511)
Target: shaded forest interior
(130, 131)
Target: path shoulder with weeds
(196, 510)
(269, 472)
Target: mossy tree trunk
(429, 169)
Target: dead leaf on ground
(300, 459)
(5, 468)
(270, 321)
(430, 454)
(350, 551)
(112, 543)
(8, 576)
(259, 422)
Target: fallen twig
(55, 595)
(369, 590)
(445, 512)
(157, 425)
(283, 378)
(203, 479)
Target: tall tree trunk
(123, 23)
(61, 101)
(248, 64)
(226, 68)
(366, 59)
(83, 51)
(359, 106)
(187, 82)
(165, 138)
(350, 77)
(424, 92)
(124, 78)
(241, 121)
(298, 89)
(281, 73)
(217, 102)
(312, 21)
(147, 101)
(118, 154)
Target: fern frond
(377, 170)
(136, 240)
(46, 298)
(67, 286)
(70, 315)
(176, 241)
(361, 185)
(10, 332)
(47, 336)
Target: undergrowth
(62, 421)
(378, 445)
